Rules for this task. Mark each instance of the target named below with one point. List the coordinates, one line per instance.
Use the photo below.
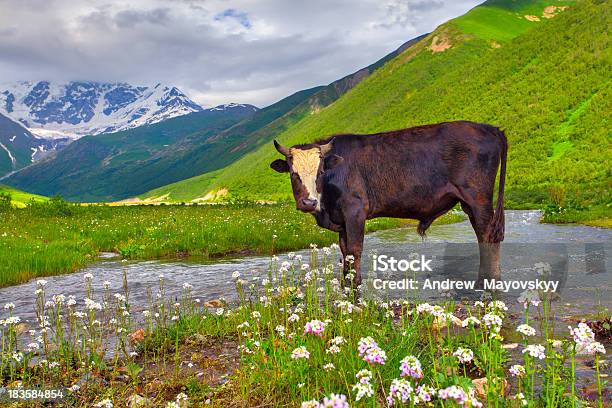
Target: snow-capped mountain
(78, 108)
(19, 147)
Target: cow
(419, 173)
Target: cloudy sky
(217, 51)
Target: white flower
(526, 330)
(470, 321)
(41, 282)
(529, 297)
(88, 277)
(105, 403)
(583, 335)
(535, 351)
(300, 353)
(363, 390)
(464, 355)
(517, 370)
(498, 305)
(492, 320)
(235, 275)
(595, 347)
(329, 366)
(9, 306)
(311, 404)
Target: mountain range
(79, 108)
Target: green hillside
(20, 198)
(548, 87)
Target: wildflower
(363, 390)
(335, 401)
(455, 393)
(333, 349)
(410, 366)
(364, 376)
(526, 330)
(520, 397)
(529, 297)
(492, 320)
(370, 352)
(88, 277)
(105, 403)
(219, 311)
(517, 370)
(535, 351)
(106, 284)
(119, 297)
(235, 275)
(595, 347)
(256, 315)
(315, 327)
(329, 366)
(9, 306)
(498, 305)
(92, 305)
(187, 285)
(338, 340)
(41, 282)
(478, 303)
(464, 355)
(310, 404)
(424, 393)
(400, 390)
(470, 321)
(583, 335)
(300, 352)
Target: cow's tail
(495, 230)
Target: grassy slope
(20, 198)
(548, 87)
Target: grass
(294, 338)
(548, 87)
(20, 198)
(596, 216)
(58, 237)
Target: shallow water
(583, 257)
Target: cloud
(253, 51)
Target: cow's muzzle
(308, 205)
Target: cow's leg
(342, 243)
(480, 216)
(355, 229)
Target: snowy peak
(80, 108)
(233, 105)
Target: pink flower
(315, 327)
(411, 367)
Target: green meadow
(53, 237)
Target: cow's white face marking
(306, 164)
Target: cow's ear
(333, 161)
(280, 165)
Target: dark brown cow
(419, 173)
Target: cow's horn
(326, 148)
(281, 149)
